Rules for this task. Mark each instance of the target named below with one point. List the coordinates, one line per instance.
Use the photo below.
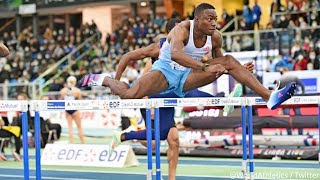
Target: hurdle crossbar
(246, 103)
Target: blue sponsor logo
(56, 105)
(170, 102)
(310, 85)
(259, 101)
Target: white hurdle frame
(246, 103)
(295, 100)
(20, 106)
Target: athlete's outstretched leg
(235, 69)
(199, 78)
(151, 83)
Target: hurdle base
(251, 176)
(149, 175)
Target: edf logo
(114, 104)
(215, 101)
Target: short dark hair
(201, 7)
(171, 24)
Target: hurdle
(295, 100)
(63, 105)
(20, 106)
(187, 102)
(246, 104)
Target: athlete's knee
(230, 61)
(128, 94)
(173, 138)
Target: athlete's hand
(249, 66)
(216, 69)
(205, 58)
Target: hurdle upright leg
(250, 132)
(157, 138)
(37, 136)
(244, 141)
(25, 145)
(149, 143)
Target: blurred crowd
(32, 55)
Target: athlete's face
(208, 21)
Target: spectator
(314, 60)
(301, 63)
(248, 16)
(256, 11)
(8, 131)
(235, 46)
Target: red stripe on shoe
(91, 78)
(85, 80)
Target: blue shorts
(71, 111)
(175, 78)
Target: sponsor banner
(78, 105)
(88, 104)
(293, 100)
(310, 85)
(11, 105)
(202, 122)
(258, 140)
(303, 100)
(121, 104)
(188, 102)
(88, 155)
(56, 105)
(255, 101)
(220, 101)
(170, 102)
(133, 103)
(39, 105)
(261, 153)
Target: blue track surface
(14, 174)
(82, 174)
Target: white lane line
(53, 178)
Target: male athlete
(168, 130)
(179, 68)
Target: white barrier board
(9, 106)
(88, 155)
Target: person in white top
(72, 93)
(181, 66)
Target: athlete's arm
(149, 51)
(177, 36)
(147, 67)
(216, 52)
(4, 51)
(217, 41)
